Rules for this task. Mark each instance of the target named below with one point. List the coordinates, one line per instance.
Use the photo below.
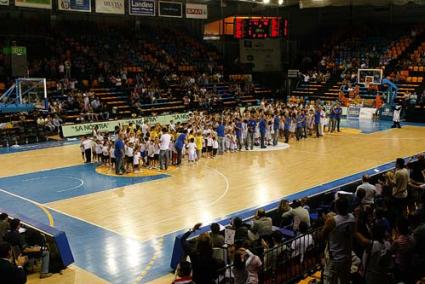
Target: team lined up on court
(204, 135)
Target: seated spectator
(18, 242)
(299, 214)
(4, 225)
(216, 238)
(11, 273)
(262, 225)
(241, 231)
(281, 210)
(274, 251)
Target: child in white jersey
(112, 155)
(129, 153)
(151, 153)
(214, 147)
(98, 151)
(105, 153)
(209, 146)
(191, 149)
(136, 159)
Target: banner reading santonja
(75, 5)
(110, 6)
(73, 130)
(41, 4)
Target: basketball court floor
(122, 229)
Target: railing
(287, 262)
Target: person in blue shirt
(317, 120)
(276, 127)
(179, 146)
(220, 134)
(338, 113)
(263, 126)
(251, 130)
(119, 154)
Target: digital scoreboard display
(260, 28)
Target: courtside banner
(73, 130)
(4, 2)
(110, 6)
(75, 5)
(141, 7)
(41, 4)
(170, 9)
(196, 11)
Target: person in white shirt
(191, 149)
(304, 242)
(164, 148)
(129, 153)
(136, 159)
(87, 143)
(369, 189)
(214, 146)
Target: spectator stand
(57, 242)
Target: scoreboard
(260, 28)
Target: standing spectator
(262, 125)
(216, 238)
(204, 265)
(402, 248)
(339, 229)
(276, 128)
(164, 148)
(220, 137)
(400, 183)
(251, 131)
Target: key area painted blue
(58, 184)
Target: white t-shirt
(215, 144)
(87, 144)
(136, 158)
(165, 141)
(129, 151)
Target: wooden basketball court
(211, 189)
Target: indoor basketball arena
(212, 142)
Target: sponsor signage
(141, 7)
(196, 11)
(110, 6)
(353, 112)
(41, 4)
(170, 9)
(109, 126)
(75, 5)
(4, 2)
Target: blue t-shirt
(276, 122)
(119, 148)
(251, 125)
(180, 141)
(287, 123)
(317, 117)
(262, 125)
(238, 129)
(220, 130)
(338, 112)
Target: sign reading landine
(75, 5)
(170, 9)
(110, 6)
(196, 11)
(41, 4)
(141, 7)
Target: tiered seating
(20, 130)
(114, 98)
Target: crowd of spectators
(375, 234)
